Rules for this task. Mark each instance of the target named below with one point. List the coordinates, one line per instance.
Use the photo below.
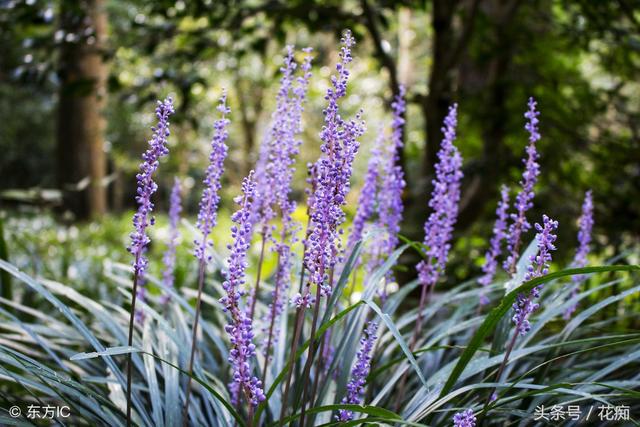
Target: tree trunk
(82, 96)
(440, 96)
(496, 83)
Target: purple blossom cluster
(495, 245)
(390, 206)
(585, 224)
(360, 371)
(332, 174)
(278, 151)
(276, 173)
(169, 257)
(240, 328)
(208, 213)
(524, 199)
(367, 198)
(464, 419)
(539, 266)
(145, 189)
(445, 196)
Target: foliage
(67, 338)
(553, 365)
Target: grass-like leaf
(498, 312)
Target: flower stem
(201, 270)
(294, 348)
(299, 320)
(130, 341)
(257, 287)
(270, 337)
(504, 362)
(319, 362)
(311, 355)
(425, 295)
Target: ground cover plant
(325, 335)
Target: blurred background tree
(580, 59)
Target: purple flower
(276, 168)
(584, 239)
(390, 205)
(464, 419)
(495, 245)
(240, 328)
(359, 372)
(367, 199)
(524, 199)
(445, 196)
(539, 266)
(169, 258)
(207, 216)
(332, 173)
(278, 150)
(146, 187)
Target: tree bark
(82, 96)
(496, 84)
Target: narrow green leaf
(204, 384)
(301, 350)
(363, 409)
(111, 351)
(505, 304)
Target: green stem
(194, 335)
(257, 287)
(130, 340)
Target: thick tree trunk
(80, 138)
(497, 81)
(440, 94)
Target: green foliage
(75, 355)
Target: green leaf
(111, 351)
(498, 312)
(363, 409)
(204, 384)
(80, 326)
(398, 336)
(321, 330)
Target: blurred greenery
(580, 59)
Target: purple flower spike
(495, 247)
(169, 258)
(524, 199)
(278, 138)
(539, 266)
(276, 167)
(240, 329)
(390, 205)
(359, 372)
(438, 229)
(367, 199)
(146, 187)
(208, 214)
(584, 239)
(332, 173)
(464, 419)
